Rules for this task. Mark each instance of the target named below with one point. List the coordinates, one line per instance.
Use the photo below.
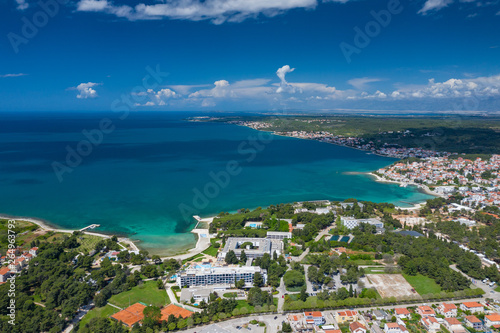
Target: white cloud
(218, 11)
(431, 5)
(284, 86)
(92, 5)
(22, 5)
(362, 82)
(86, 90)
(12, 75)
(453, 88)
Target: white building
(278, 235)
(205, 276)
(350, 222)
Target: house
(402, 313)
(357, 327)
(426, 311)
(453, 325)
(430, 323)
(175, 310)
(314, 317)
(4, 274)
(492, 320)
(394, 328)
(343, 316)
(33, 251)
(473, 307)
(448, 310)
(380, 315)
(113, 255)
(474, 322)
(131, 315)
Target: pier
(92, 226)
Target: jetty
(92, 226)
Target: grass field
(374, 270)
(211, 251)
(422, 284)
(103, 312)
(147, 293)
(196, 256)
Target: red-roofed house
(430, 323)
(332, 331)
(402, 313)
(357, 327)
(492, 320)
(474, 322)
(473, 307)
(314, 317)
(453, 325)
(426, 310)
(448, 310)
(343, 316)
(4, 274)
(33, 251)
(394, 328)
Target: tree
(239, 284)
(159, 284)
(243, 257)
(231, 258)
(286, 327)
(258, 280)
(303, 294)
(152, 316)
(293, 278)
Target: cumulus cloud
(284, 86)
(362, 82)
(218, 11)
(86, 90)
(453, 88)
(12, 75)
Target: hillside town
(476, 181)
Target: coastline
(44, 225)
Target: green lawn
(422, 284)
(243, 303)
(211, 251)
(196, 256)
(147, 293)
(103, 312)
(497, 289)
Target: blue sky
(435, 55)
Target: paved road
(489, 291)
(309, 285)
(281, 295)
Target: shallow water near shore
(155, 170)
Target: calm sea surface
(153, 171)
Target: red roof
(402, 311)
(4, 270)
(426, 310)
(493, 317)
(449, 306)
(392, 325)
(356, 325)
(316, 314)
(452, 321)
(472, 319)
(472, 305)
(347, 313)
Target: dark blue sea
(146, 175)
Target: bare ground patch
(391, 285)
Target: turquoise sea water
(144, 180)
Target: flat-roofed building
(253, 247)
(205, 276)
(278, 235)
